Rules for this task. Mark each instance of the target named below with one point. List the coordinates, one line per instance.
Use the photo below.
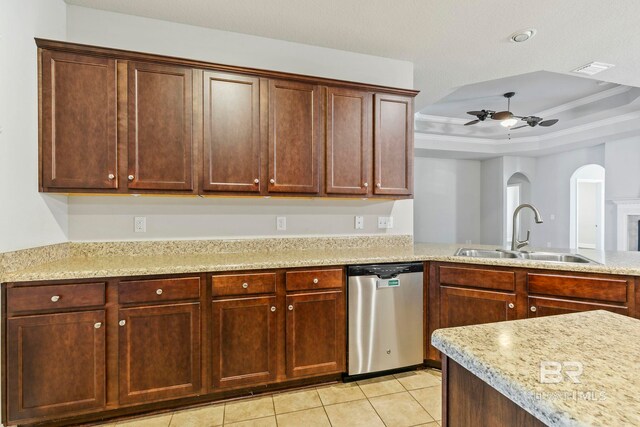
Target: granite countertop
(508, 355)
(111, 263)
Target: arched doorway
(587, 207)
(518, 191)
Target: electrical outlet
(140, 224)
(359, 223)
(385, 222)
(281, 223)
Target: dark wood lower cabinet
(243, 341)
(55, 364)
(539, 307)
(462, 307)
(315, 333)
(159, 352)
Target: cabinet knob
(378, 185)
(159, 292)
(97, 325)
(273, 308)
(366, 184)
(290, 308)
(245, 285)
(511, 305)
(273, 181)
(315, 280)
(122, 322)
(533, 308)
(130, 177)
(55, 298)
(256, 181)
(111, 176)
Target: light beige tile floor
(401, 400)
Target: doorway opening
(518, 192)
(587, 208)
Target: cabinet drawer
(243, 284)
(37, 298)
(314, 279)
(478, 278)
(159, 290)
(595, 288)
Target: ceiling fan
(507, 118)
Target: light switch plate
(359, 222)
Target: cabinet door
(78, 122)
(539, 307)
(293, 137)
(159, 352)
(393, 145)
(349, 143)
(55, 364)
(231, 132)
(462, 307)
(315, 333)
(160, 134)
(243, 341)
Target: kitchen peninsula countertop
(508, 355)
(114, 263)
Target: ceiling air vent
(592, 68)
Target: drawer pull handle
(378, 185)
(533, 308)
(366, 184)
(122, 322)
(159, 292)
(290, 308)
(273, 308)
(511, 305)
(272, 181)
(55, 298)
(256, 181)
(245, 285)
(315, 280)
(130, 177)
(97, 325)
(111, 176)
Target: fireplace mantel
(624, 209)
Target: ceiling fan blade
(472, 122)
(475, 113)
(519, 127)
(502, 115)
(547, 123)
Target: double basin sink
(532, 256)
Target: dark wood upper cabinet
(349, 144)
(315, 333)
(55, 364)
(159, 352)
(160, 150)
(78, 122)
(243, 341)
(393, 145)
(294, 112)
(231, 132)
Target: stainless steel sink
(555, 257)
(532, 256)
(485, 253)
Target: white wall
(27, 218)
(105, 218)
(447, 200)
(493, 199)
(551, 193)
(622, 166)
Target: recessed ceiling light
(523, 35)
(592, 68)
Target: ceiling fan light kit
(507, 118)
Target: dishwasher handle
(385, 271)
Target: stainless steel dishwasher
(385, 317)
